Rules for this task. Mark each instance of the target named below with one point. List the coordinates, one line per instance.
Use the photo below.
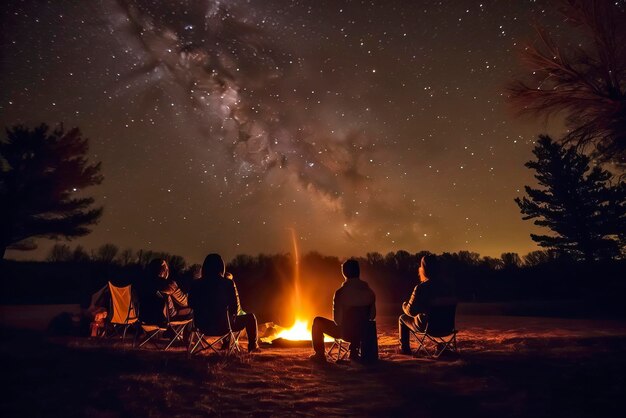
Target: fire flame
(298, 332)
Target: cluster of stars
(368, 126)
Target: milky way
(365, 126)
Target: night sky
(363, 125)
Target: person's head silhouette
(158, 268)
(213, 266)
(429, 268)
(350, 269)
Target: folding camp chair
(203, 343)
(439, 334)
(122, 310)
(357, 329)
(157, 332)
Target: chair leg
(220, 351)
(344, 349)
(336, 345)
(124, 333)
(329, 353)
(231, 345)
(421, 346)
(150, 337)
(422, 338)
(449, 345)
(177, 335)
(235, 346)
(127, 327)
(192, 346)
(236, 336)
(202, 344)
(441, 346)
(233, 337)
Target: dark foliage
(266, 284)
(585, 212)
(60, 252)
(42, 175)
(585, 82)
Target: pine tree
(585, 212)
(584, 82)
(42, 177)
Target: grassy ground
(510, 367)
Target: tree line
(112, 255)
(266, 282)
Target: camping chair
(440, 332)
(357, 330)
(157, 332)
(203, 342)
(123, 313)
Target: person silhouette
(212, 296)
(353, 293)
(430, 290)
(159, 296)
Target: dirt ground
(509, 366)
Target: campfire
(299, 334)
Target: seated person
(212, 295)
(159, 297)
(353, 293)
(432, 290)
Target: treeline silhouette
(267, 287)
